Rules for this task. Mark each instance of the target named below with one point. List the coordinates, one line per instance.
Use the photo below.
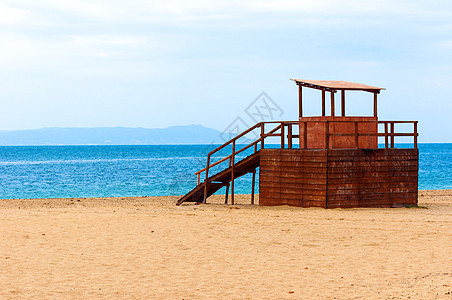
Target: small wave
(90, 161)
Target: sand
(148, 248)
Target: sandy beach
(146, 248)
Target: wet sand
(146, 247)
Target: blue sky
(155, 64)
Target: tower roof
(333, 85)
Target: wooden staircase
(221, 179)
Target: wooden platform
(338, 178)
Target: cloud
(23, 53)
(172, 57)
(106, 46)
(65, 32)
(12, 15)
(178, 10)
(445, 45)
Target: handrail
(214, 164)
(231, 157)
(258, 125)
(228, 157)
(235, 138)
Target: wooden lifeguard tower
(336, 163)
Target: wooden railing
(392, 134)
(389, 133)
(277, 126)
(278, 129)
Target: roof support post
(375, 105)
(300, 101)
(323, 103)
(343, 103)
(332, 103)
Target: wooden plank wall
(316, 132)
(293, 177)
(339, 178)
(372, 178)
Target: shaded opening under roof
(332, 87)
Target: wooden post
(199, 178)
(300, 131)
(332, 103)
(392, 135)
(327, 135)
(282, 136)
(262, 135)
(252, 186)
(323, 103)
(289, 136)
(356, 136)
(343, 103)
(206, 182)
(386, 135)
(305, 135)
(300, 101)
(226, 197)
(232, 172)
(415, 135)
(375, 104)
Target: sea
(31, 172)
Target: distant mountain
(191, 134)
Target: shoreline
(216, 199)
(146, 247)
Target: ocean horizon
(32, 172)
